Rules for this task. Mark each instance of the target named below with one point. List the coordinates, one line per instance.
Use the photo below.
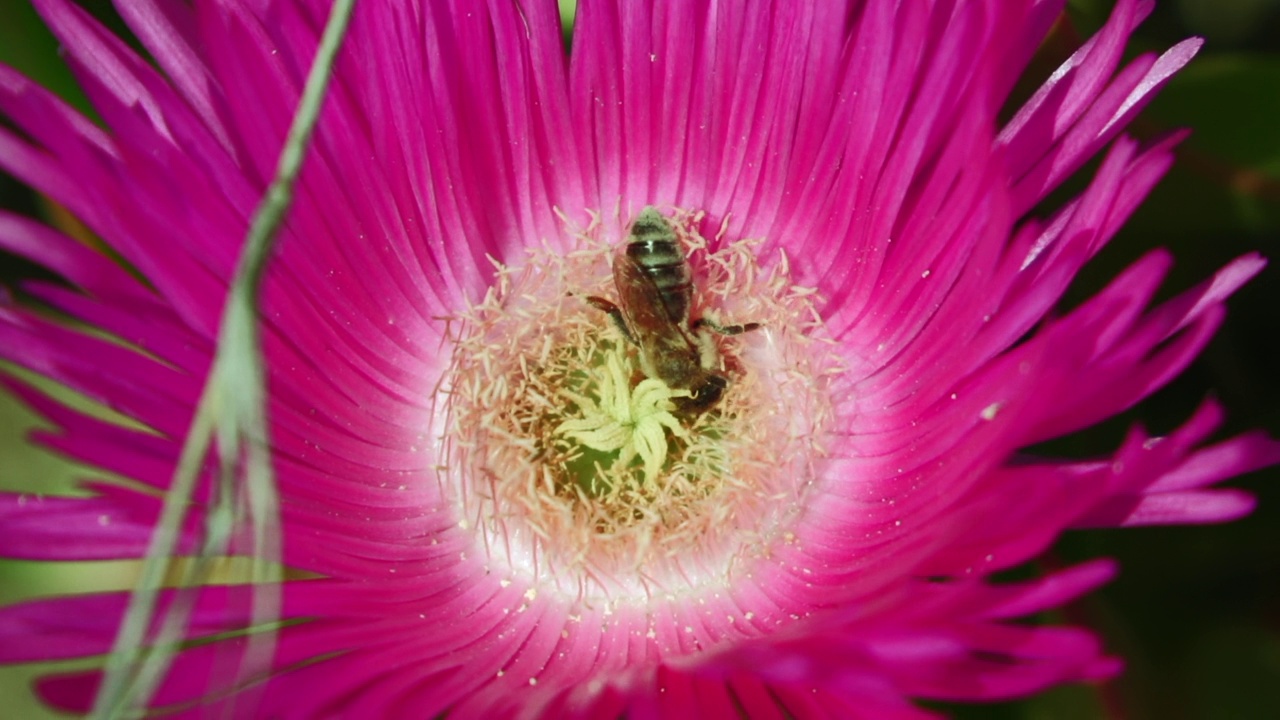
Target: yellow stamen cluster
(625, 420)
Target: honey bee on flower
(655, 288)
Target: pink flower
(819, 543)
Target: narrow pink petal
(83, 625)
(122, 379)
(169, 33)
(138, 321)
(72, 260)
(1129, 93)
(108, 527)
(1237, 456)
(1067, 94)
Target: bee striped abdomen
(655, 250)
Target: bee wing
(641, 299)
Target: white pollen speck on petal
(989, 412)
(531, 594)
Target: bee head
(704, 393)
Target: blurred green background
(1195, 611)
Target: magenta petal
(102, 528)
(86, 624)
(1176, 508)
(69, 692)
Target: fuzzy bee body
(655, 291)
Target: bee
(655, 292)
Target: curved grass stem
(232, 410)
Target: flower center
(578, 465)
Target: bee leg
(615, 313)
(725, 329)
(708, 353)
